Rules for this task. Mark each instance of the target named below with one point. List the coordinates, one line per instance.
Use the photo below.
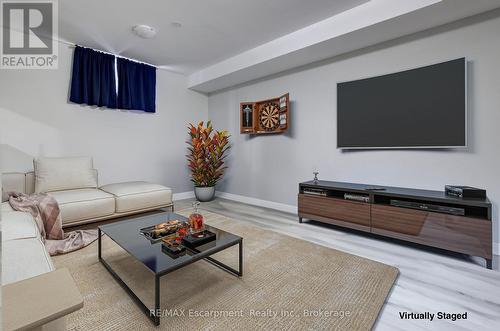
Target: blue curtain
(136, 86)
(93, 81)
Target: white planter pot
(204, 194)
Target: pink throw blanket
(46, 213)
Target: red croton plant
(207, 151)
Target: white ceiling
(212, 30)
(223, 43)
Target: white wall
(36, 119)
(270, 167)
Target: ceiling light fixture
(144, 31)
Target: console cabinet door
(455, 233)
(341, 212)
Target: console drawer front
(456, 233)
(335, 209)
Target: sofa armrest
(36, 301)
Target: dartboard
(269, 116)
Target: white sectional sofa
(23, 254)
(80, 201)
(74, 184)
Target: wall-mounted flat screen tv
(419, 108)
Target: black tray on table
(199, 238)
(173, 250)
(148, 232)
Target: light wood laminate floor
(429, 281)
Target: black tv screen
(418, 108)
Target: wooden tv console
(468, 234)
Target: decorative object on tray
(196, 219)
(173, 247)
(169, 229)
(266, 116)
(206, 153)
(199, 238)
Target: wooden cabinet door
(341, 212)
(455, 233)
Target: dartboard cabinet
(266, 116)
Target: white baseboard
(183, 195)
(258, 202)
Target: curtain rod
(72, 45)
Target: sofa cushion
(18, 225)
(13, 181)
(6, 207)
(55, 174)
(132, 196)
(82, 204)
(24, 258)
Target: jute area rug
(287, 284)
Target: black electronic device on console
(428, 207)
(356, 197)
(315, 191)
(465, 192)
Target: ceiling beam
(371, 23)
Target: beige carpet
(283, 278)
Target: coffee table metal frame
(154, 316)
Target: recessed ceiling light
(176, 24)
(144, 31)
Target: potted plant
(206, 153)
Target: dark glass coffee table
(126, 235)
